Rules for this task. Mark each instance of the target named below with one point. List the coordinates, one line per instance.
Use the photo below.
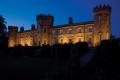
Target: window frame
(69, 31)
(79, 30)
(90, 29)
(61, 32)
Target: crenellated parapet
(102, 9)
(12, 28)
(92, 32)
(43, 16)
(45, 19)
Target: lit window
(90, 29)
(104, 19)
(61, 31)
(69, 31)
(79, 30)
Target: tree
(2, 26)
(3, 32)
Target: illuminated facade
(46, 33)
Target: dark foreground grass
(33, 68)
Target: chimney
(70, 20)
(21, 29)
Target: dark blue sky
(23, 12)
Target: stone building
(46, 33)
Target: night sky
(23, 12)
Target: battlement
(44, 16)
(45, 19)
(12, 28)
(102, 8)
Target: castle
(46, 33)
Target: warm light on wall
(11, 43)
(25, 41)
(74, 40)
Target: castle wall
(12, 34)
(92, 32)
(74, 34)
(70, 34)
(25, 38)
(102, 16)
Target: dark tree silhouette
(2, 26)
(105, 64)
(3, 32)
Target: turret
(32, 27)
(21, 29)
(12, 33)
(44, 23)
(102, 22)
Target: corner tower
(12, 36)
(102, 16)
(44, 23)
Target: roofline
(74, 24)
(27, 30)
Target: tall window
(61, 32)
(104, 19)
(90, 29)
(79, 30)
(69, 31)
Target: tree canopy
(2, 26)
(3, 32)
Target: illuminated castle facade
(46, 33)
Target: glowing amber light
(64, 33)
